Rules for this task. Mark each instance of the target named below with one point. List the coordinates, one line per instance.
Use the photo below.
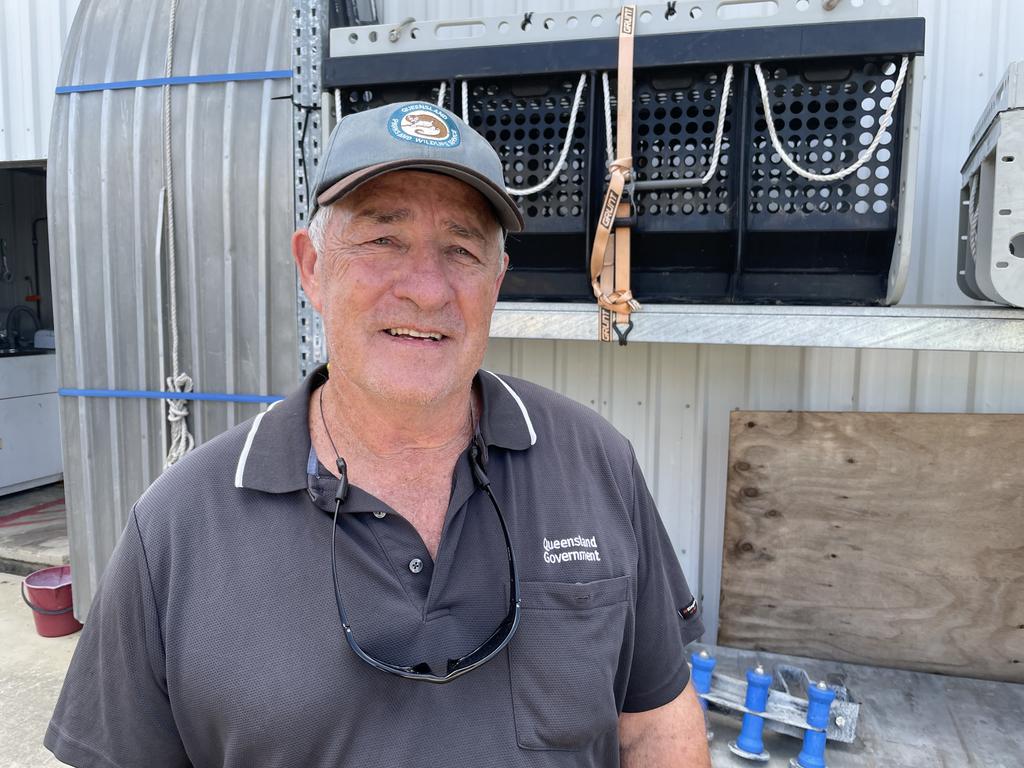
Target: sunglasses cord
(339, 498)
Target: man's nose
(425, 280)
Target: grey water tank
(232, 170)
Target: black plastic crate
(757, 233)
(526, 119)
(823, 241)
(683, 246)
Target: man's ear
(306, 262)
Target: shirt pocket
(563, 661)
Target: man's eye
(382, 241)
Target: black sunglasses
(484, 652)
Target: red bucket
(49, 597)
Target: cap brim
(508, 212)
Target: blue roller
(703, 666)
(750, 743)
(819, 702)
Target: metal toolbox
(990, 251)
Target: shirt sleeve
(667, 615)
(113, 711)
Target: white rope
(608, 118)
(884, 122)
(441, 90)
(337, 105)
(565, 145)
(465, 101)
(719, 130)
(177, 410)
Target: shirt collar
(275, 453)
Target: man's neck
(364, 426)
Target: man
(408, 561)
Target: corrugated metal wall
(236, 284)
(32, 35)
(674, 400)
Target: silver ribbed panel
(232, 186)
(32, 35)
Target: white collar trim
(244, 455)
(519, 402)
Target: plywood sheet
(888, 539)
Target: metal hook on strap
(622, 334)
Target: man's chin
(415, 388)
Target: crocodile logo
(423, 123)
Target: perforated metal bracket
(308, 35)
(550, 27)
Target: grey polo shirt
(214, 639)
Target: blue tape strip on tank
(273, 74)
(146, 394)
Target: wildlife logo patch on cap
(423, 123)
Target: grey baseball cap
(411, 135)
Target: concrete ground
(31, 672)
(33, 529)
(33, 535)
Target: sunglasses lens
(492, 645)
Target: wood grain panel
(888, 539)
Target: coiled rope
(719, 129)
(179, 381)
(884, 122)
(540, 187)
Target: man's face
(408, 251)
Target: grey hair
(317, 228)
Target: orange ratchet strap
(609, 259)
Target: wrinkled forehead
(410, 195)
